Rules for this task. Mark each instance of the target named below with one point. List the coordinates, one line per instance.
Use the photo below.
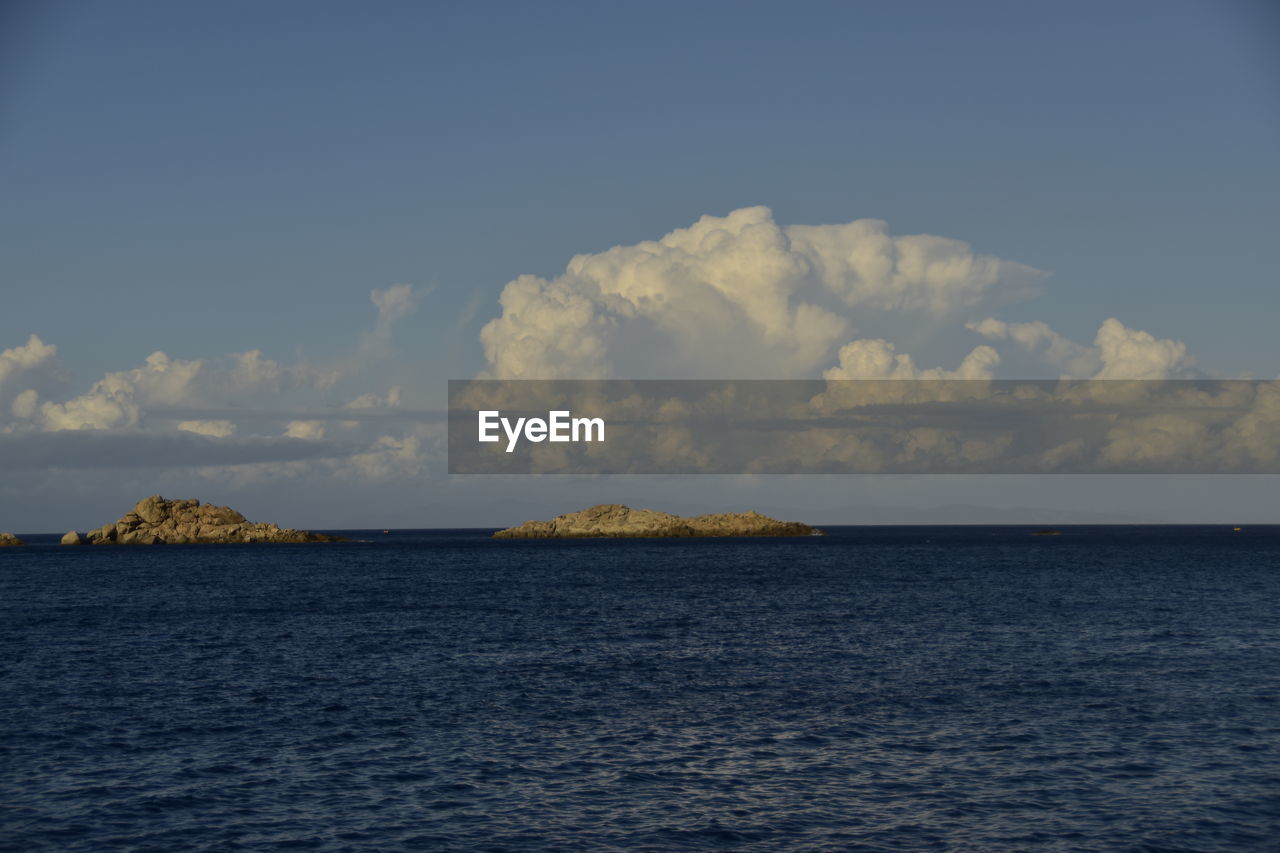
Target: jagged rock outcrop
(618, 521)
(71, 538)
(156, 521)
(8, 540)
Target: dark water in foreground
(877, 689)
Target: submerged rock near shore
(623, 522)
(8, 540)
(156, 521)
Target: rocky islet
(623, 522)
(157, 521)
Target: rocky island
(156, 521)
(8, 540)
(622, 522)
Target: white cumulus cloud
(116, 400)
(1118, 352)
(1133, 354)
(738, 295)
(33, 366)
(33, 353)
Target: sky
(253, 241)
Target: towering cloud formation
(736, 296)
(740, 296)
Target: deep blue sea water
(887, 689)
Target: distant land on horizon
(513, 513)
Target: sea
(1112, 688)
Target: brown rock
(220, 515)
(71, 538)
(156, 521)
(152, 510)
(8, 540)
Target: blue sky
(212, 178)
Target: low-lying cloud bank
(832, 426)
(243, 417)
(139, 449)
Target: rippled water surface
(876, 689)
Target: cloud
(1073, 359)
(32, 354)
(374, 401)
(116, 399)
(214, 429)
(254, 374)
(374, 414)
(122, 399)
(33, 366)
(243, 411)
(1132, 354)
(394, 304)
(742, 296)
(390, 457)
(737, 295)
(876, 359)
(26, 404)
(309, 430)
(866, 266)
(143, 449)
(950, 424)
(1118, 352)
(1162, 439)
